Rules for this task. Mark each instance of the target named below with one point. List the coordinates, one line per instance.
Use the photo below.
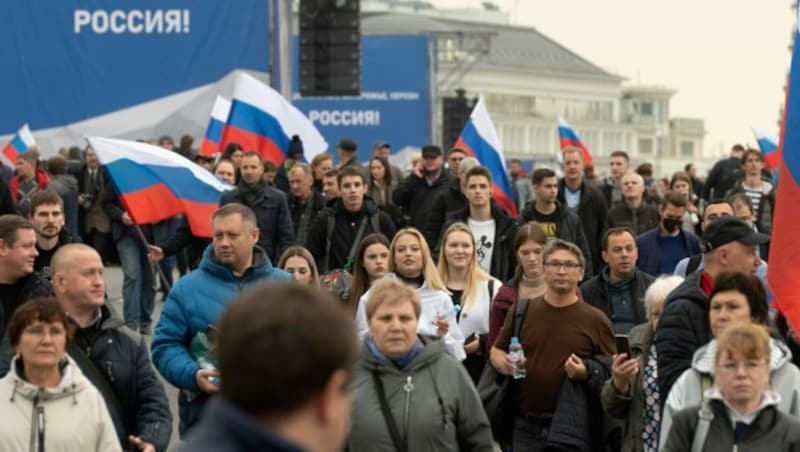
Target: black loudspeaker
(455, 114)
(330, 48)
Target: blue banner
(69, 60)
(395, 101)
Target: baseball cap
(382, 144)
(431, 151)
(730, 229)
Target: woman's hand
(622, 372)
(442, 326)
(472, 344)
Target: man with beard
(47, 217)
(618, 290)
(269, 204)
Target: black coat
(183, 238)
(447, 200)
(683, 328)
(504, 262)
(569, 229)
(276, 232)
(32, 286)
(579, 421)
(592, 211)
(595, 292)
(344, 231)
(303, 215)
(640, 220)
(415, 197)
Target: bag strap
(348, 264)
(399, 443)
(330, 224)
(694, 262)
(704, 418)
(375, 221)
(491, 290)
(521, 307)
(98, 379)
(705, 383)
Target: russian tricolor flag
(479, 139)
(216, 124)
(19, 144)
(785, 228)
(769, 147)
(155, 185)
(568, 137)
(262, 120)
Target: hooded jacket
(504, 262)
(569, 229)
(415, 196)
(273, 219)
(70, 418)
(432, 400)
(784, 379)
(771, 430)
(683, 329)
(41, 177)
(195, 302)
(344, 231)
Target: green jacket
(630, 407)
(433, 402)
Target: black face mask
(671, 225)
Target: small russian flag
(479, 138)
(568, 137)
(19, 144)
(262, 120)
(769, 147)
(216, 124)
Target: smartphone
(623, 346)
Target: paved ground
(113, 276)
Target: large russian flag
(216, 123)
(568, 137)
(155, 184)
(479, 139)
(262, 120)
(785, 225)
(19, 144)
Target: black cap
(348, 145)
(729, 229)
(382, 144)
(431, 151)
(295, 150)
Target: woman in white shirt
(472, 291)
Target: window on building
(646, 108)
(645, 146)
(687, 148)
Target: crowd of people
(365, 307)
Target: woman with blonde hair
(297, 260)
(471, 289)
(410, 261)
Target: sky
(728, 60)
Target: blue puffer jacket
(195, 302)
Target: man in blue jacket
(661, 248)
(194, 304)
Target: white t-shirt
(483, 231)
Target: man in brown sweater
(558, 333)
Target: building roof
(511, 46)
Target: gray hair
(305, 167)
(658, 292)
(466, 164)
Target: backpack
(339, 280)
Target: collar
(97, 320)
(769, 398)
(400, 362)
(706, 283)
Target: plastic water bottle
(518, 356)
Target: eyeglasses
(555, 265)
(751, 365)
(41, 331)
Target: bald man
(633, 213)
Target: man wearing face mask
(661, 248)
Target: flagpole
(147, 247)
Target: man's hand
(201, 378)
(501, 361)
(622, 372)
(442, 327)
(575, 368)
(126, 219)
(141, 445)
(155, 253)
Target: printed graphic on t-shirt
(483, 232)
(550, 229)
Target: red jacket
(42, 179)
